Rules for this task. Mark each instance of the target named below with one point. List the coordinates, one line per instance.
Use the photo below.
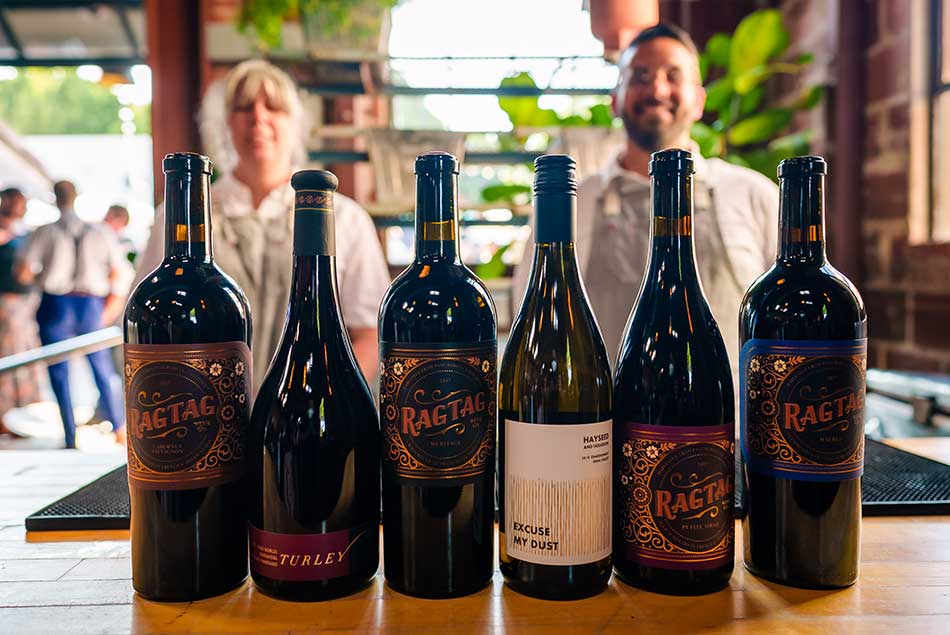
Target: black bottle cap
(555, 174)
(320, 180)
(802, 166)
(434, 163)
(186, 162)
(670, 161)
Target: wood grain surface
(79, 582)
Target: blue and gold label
(802, 408)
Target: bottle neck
(554, 272)
(671, 252)
(188, 216)
(437, 218)
(802, 219)
(314, 302)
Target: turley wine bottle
(674, 425)
(438, 405)
(554, 470)
(188, 399)
(803, 330)
(313, 459)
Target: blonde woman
(254, 126)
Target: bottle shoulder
(457, 281)
(292, 392)
(187, 282)
(799, 302)
(434, 302)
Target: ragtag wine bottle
(803, 329)
(313, 459)
(554, 392)
(674, 425)
(188, 400)
(437, 405)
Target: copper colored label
(187, 412)
(675, 495)
(438, 410)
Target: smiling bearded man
(659, 96)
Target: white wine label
(557, 492)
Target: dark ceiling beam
(10, 36)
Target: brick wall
(906, 287)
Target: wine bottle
(438, 405)
(554, 390)
(188, 399)
(313, 463)
(803, 331)
(674, 425)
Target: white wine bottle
(555, 415)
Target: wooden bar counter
(79, 582)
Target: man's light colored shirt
(735, 229)
(71, 256)
(255, 247)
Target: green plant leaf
(703, 67)
(708, 140)
(601, 115)
(717, 50)
(494, 268)
(506, 192)
(810, 98)
(752, 78)
(805, 59)
(791, 145)
(266, 17)
(751, 100)
(524, 111)
(759, 37)
(719, 94)
(759, 127)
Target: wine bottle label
(802, 408)
(437, 407)
(558, 492)
(309, 557)
(675, 486)
(187, 411)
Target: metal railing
(60, 351)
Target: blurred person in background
(255, 128)
(18, 334)
(659, 96)
(77, 266)
(117, 219)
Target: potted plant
(739, 126)
(333, 29)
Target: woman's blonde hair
(239, 88)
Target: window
(938, 219)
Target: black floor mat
(896, 483)
(102, 504)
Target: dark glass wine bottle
(313, 460)
(674, 425)
(438, 405)
(188, 400)
(554, 468)
(803, 331)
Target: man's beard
(651, 138)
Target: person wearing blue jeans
(63, 316)
(78, 266)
